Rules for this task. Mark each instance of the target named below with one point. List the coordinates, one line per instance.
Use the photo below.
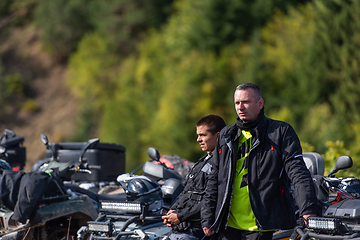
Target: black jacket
(22, 192)
(188, 205)
(274, 160)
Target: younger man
(184, 216)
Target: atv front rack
(114, 227)
(307, 234)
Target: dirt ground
(57, 106)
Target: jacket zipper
(256, 143)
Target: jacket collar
(248, 126)
(234, 131)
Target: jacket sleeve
(304, 189)
(184, 213)
(211, 192)
(187, 214)
(185, 208)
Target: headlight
(128, 207)
(328, 224)
(104, 227)
(131, 207)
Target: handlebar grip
(97, 167)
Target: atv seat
(314, 162)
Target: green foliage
(16, 12)
(146, 71)
(13, 85)
(298, 64)
(310, 59)
(182, 73)
(211, 25)
(355, 148)
(64, 23)
(123, 23)
(12, 90)
(288, 71)
(338, 34)
(304, 58)
(91, 77)
(163, 113)
(86, 123)
(306, 147)
(320, 124)
(4, 8)
(2, 99)
(92, 70)
(30, 106)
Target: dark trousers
(192, 228)
(236, 234)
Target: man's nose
(241, 106)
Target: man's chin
(244, 119)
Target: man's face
(247, 104)
(206, 139)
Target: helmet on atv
(140, 188)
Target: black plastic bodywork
(106, 161)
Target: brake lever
(79, 169)
(83, 170)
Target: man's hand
(171, 219)
(208, 231)
(305, 217)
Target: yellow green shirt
(241, 215)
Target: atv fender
(82, 204)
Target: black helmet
(141, 189)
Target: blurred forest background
(141, 73)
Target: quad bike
(61, 210)
(15, 152)
(339, 199)
(148, 197)
(341, 211)
(105, 161)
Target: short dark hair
(254, 87)
(213, 122)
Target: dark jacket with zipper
(188, 204)
(275, 160)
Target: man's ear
(261, 103)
